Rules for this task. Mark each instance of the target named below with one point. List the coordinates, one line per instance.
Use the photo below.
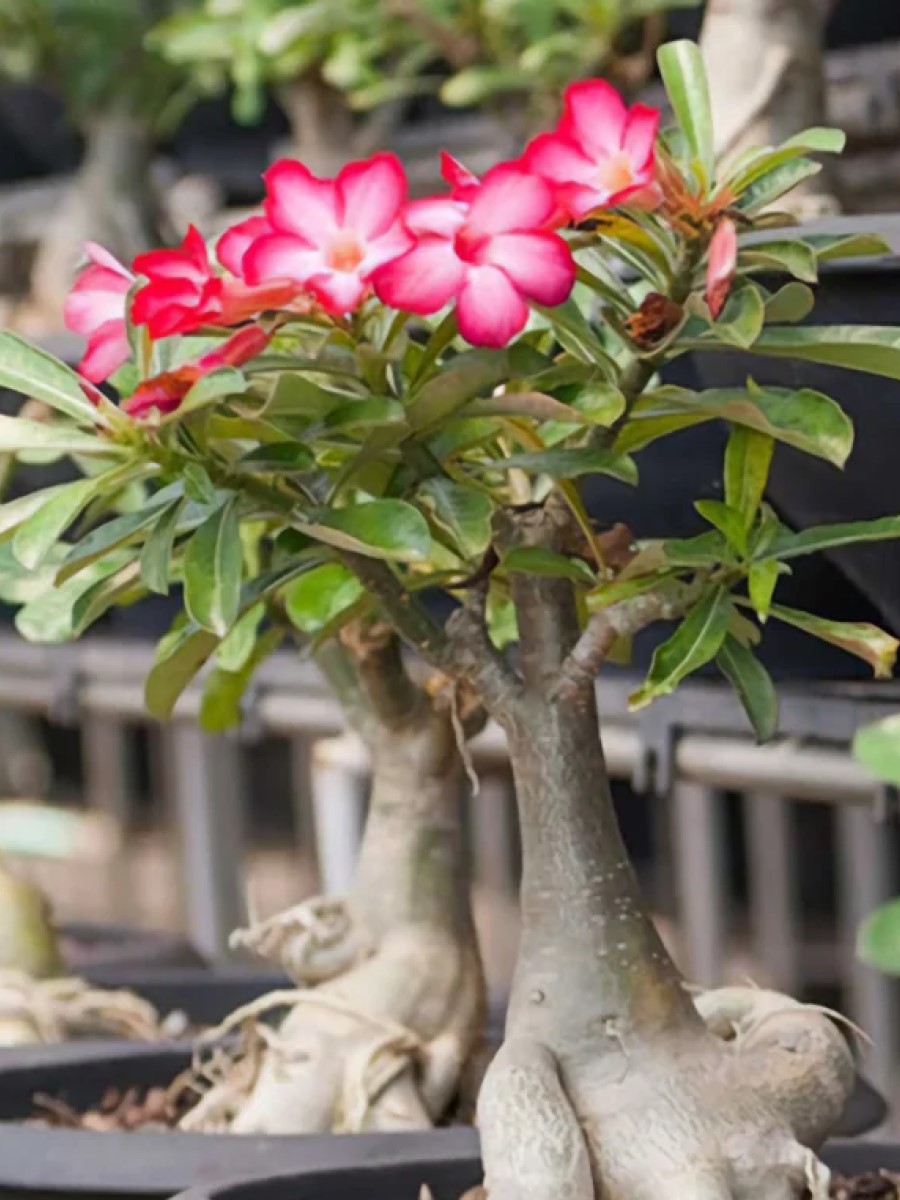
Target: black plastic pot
(450, 1178)
(90, 947)
(205, 996)
(79, 1163)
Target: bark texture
(396, 1013)
(764, 60)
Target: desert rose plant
(359, 402)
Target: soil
(120, 1110)
(874, 1185)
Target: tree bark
(112, 202)
(764, 60)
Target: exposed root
(56, 1010)
(676, 1113)
(312, 942)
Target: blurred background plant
(877, 747)
(120, 97)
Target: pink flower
(237, 240)
(95, 308)
(184, 291)
(722, 264)
(463, 184)
(601, 154)
(491, 252)
(330, 235)
(164, 393)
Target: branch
(606, 627)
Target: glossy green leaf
(826, 537)
(464, 377)
(872, 348)
(684, 76)
(366, 414)
(115, 532)
(35, 373)
(748, 457)
(643, 428)
(157, 551)
(178, 661)
(236, 648)
(707, 549)
(574, 333)
(789, 255)
(318, 597)
(830, 247)
(224, 688)
(753, 685)
(624, 589)
(390, 529)
(14, 512)
(696, 641)
(763, 160)
(878, 939)
(19, 434)
(791, 303)
(462, 511)
(762, 579)
(866, 641)
(536, 405)
(535, 560)
(775, 183)
(277, 458)
(727, 520)
(568, 463)
(210, 389)
(34, 538)
(877, 747)
(741, 320)
(51, 617)
(213, 565)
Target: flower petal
(338, 292)
(300, 203)
(280, 256)
(423, 280)
(236, 241)
(539, 264)
(489, 310)
(101, 257)
(723, 249)
(641, 129)
(460, 178)
(98, 296)
(391, 244)
(594, 114)
(107, 350)
(510, 199)
(371, 194)
(439, 215)
(560, 159)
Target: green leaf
(830, 246)
(18, 434)
(474, 85)
(390, 529)
(866, 641)
(643, 428)
(761, 581)
(223, 690)
(623, 589)
(748, 456)
(175, 667)
(877, 747)
(35, 537)
(789, 255)
(574, 333)
(14, 512)
(157, 551)
(35, 373)
(296, 395)
(462, 511)
(568, 463)
(878, 939)
(826, 537)
(226, 381)
(535, 560)
(235, 649)
(114, 533)
(727, 520)
(461, 379)
(763, 160)
(753, 685)
(684, 76)
(536, 405)
(741, 321)
(197, 484)
(791, 303)
(365, 414)
(696, 641)
(213, 564)
(872, 348)
(278, 458)
(322, 594)
(776, 182)
(52, 617)
(706, 549)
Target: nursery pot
(38, 1160)
(450, 1178)
(90, 948)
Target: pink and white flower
(185, 291)
(601, 153)
(95, 308)
(331, 235)
(487, 247)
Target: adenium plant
(352, 402)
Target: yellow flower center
(345, 251)
(616, 173)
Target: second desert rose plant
(314, 444)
